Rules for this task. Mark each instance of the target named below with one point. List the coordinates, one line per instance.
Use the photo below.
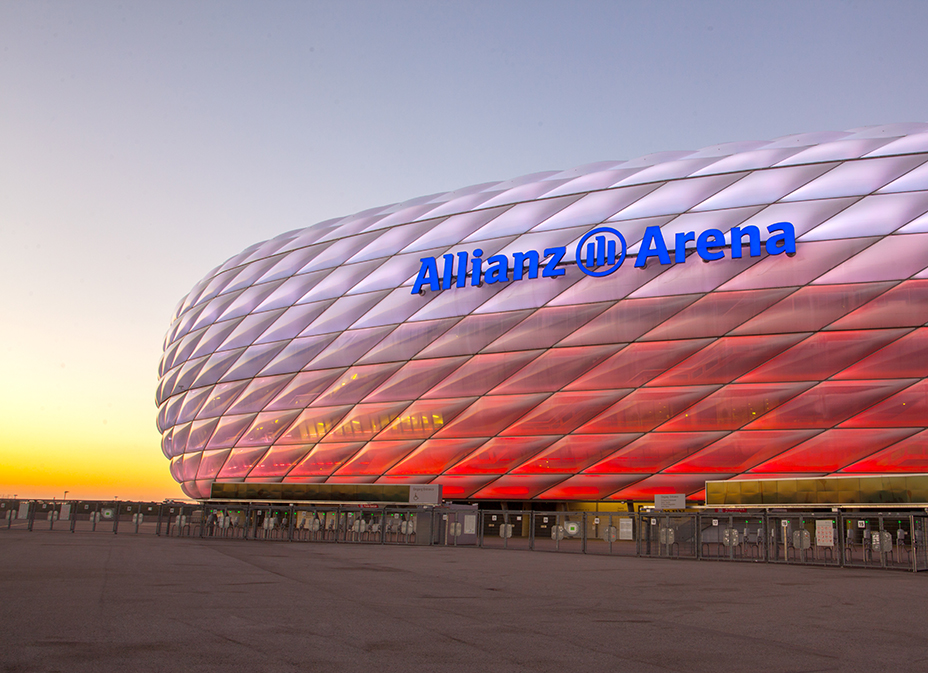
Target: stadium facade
(622, 329)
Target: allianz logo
(600, 252)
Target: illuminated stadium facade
(605, 333)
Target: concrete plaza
(99, 602)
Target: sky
(144, 143)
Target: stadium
(603, 334)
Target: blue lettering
(783, 241)
(652, 245)
(679, 252)
(737, 241)
(428, 273)
(551, 270)
(518, 267)
(710, 238)
(497, 270)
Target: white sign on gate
(824, 533)
(664, 501)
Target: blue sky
(143, 143)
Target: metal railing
(885, 540)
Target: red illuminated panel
(726, 359)
(628, 320)
(376, 458)
(200, 432)
(563, 412)
(424, 418)
(734, 405)
(828, 404)
(290, 479)
(655, 451)
(906, 305)
(313, 424)
(354, 384)
(351, 480)
(230, 428)
(472, 334)
(267, 427)
(211, 463)
(821, 355)
(909, 455)
(636, 364)
(554, 369)
(415, 378)
(455, 486)
(278, 461)
(646, 489)
(900, 359)
(406, 479)
(741, 450)
(490, 415)
(240, 462)
(573, 453)
(811, 308)
(588, 487)
(481, 373)
(832, 450)
(435, 455)
(499, 454)
(546, 326)
(907, 409)
(364, 421)
(716, 314)
(325, 459)
(645, 409)
(304, 388)
(407, 340)
(518, 486)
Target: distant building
(609, 332)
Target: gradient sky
(143, 143)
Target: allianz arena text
(606, 333)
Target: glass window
(905, 305)
(588, 487)
(215, 335)
(293, 321)
(212, 311)
(435, 455)
(348, 347)
(393, 240)
(670, 170)
(396, 307)
(249, 329)
(490, 415)
(892, 258)
(414, 379)
(741, 450)
(726, 359)
(190, 375)
(655, 451)
(829, 403)
(292, 290)
(500, 454)
(193, 400)
(696, 276)
(736, 405)
(228, 430)
(907, 409)
(520, 218)
(340, 315)
(393, 271)
(338, 252)
(573, 453)
(916, 179)
(297, 354)
(220, 397)
(250, 273)
(454, 229)
(278, 460)
(178, 440)
(545, 327)
(637, 363)
(260, 391)
(313, 424)
(716, 314)
(763, 187)
(461, 486)
(211, 462)
(645, 489)
(645, 409)
(596, 180)
(903, 358)
(324, 459)
(526, 192)
(303, 389)
(628, 320)
(832, 450)
(240, 462)
(878, 214)
(333, 283)
(248, 300)
(563, 412)
(376, 458)
(407, 340)
(851, 148)
(424, 418)
(554, 369)
(518, 486)
(811, 308)
(520, 295)
(457, 302)
(189, 463)
(200, 432)
(821, 355)
(364, 421)
(252, 361)
(472, 334)
(677, 197)
(354, 384)
(909, 455)
(595, 208)
(480, 374)
(856, 178)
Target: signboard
(665, 501)
(425, 494)
(626, 531)
(824, 533)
